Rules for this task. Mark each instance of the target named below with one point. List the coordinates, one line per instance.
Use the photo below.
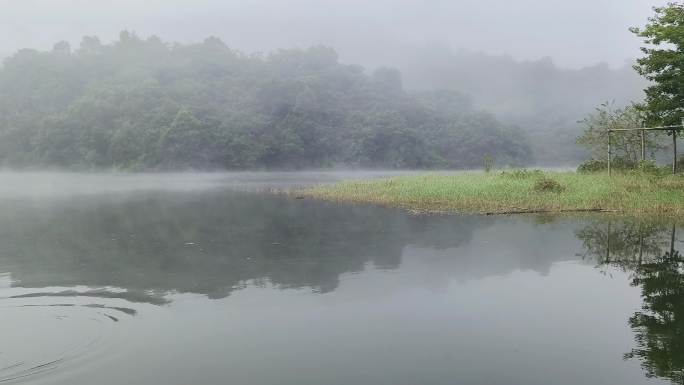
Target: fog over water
(42, 185)
(201, 279)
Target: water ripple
(41, 336)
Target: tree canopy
(146, 104)
(663, 64)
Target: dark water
(198, 280)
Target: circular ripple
(44, 333)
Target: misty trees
(463, 136)
(188, 142)
(625, 145)
(146, 104)
(663, 64)
(543, 99)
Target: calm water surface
(202, 279)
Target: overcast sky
(575, 33)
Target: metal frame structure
(675, 129)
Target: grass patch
(546, 184)
(515, 192)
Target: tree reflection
(624, 244)
(209, 243)
(647, 252)
(659, 327)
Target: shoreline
(514, 192)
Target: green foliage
(522, 173)
(144, 104)
(592, 165)
(546, 184)
(625, 145)
(680, 164)
(663, 64)
(488, 163)
(651, 168)
(543, 99)
(502, 193)
(647, 167)
(616, 164)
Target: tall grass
(516, 191)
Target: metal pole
(643, 146)
(641, 245)
(672, 239)
(608, 244)
(609, 171)
(674, 151)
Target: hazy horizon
(362, 33)
(527, 71)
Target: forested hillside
(545, 101)
(145, 104)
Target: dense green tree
(187, 142)
(663, 64)
(146, 104)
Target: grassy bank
(515, 192)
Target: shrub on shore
(546, 184)
(600, 165)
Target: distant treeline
(545, 101)
(147, 104)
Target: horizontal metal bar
(662, 128)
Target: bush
(620, 164)
(522, 173)
(680, 164)
(592, 165)
(546, 184)
(649, 167)
(596, 165)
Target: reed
(517, 191)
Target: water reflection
(166, 270)
(207, 243)
(81, 266)
(647, 250)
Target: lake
(210, 279)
